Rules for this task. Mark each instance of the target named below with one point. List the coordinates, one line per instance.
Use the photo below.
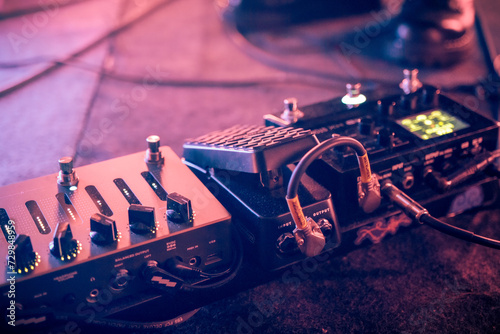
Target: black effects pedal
(248, 169)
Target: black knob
(385, 138)
(366, 126)
(141, 219)
(179, 209)
(63, 246)
(102, 230)
(26, 260)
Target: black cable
(95, 93)
(264, 57)
(243, 43)
(314, 153)
(491, 87)
(180, 82)
(458, 232)
(486, 45)
(151, 272)
(27, 62)
(35, 9)
(53, 66)
(47, 316)
(415, 211)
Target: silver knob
(291, 112)
(153, 154)
(410, 83)
(67, 176)
(353, 89)
(353, 98)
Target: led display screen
(432, 124)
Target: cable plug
(159, 278)
(478, 164)
(181, 269)
(369, 196)
(412, 208)
(310, 239)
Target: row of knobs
(103, 229)
(103, 232)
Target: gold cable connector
(296, 211)
(308, 235)
(364, 168)
(369, 196)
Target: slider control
(179, 209)
(141, 219)
(63, 246)
(153, 154)
(26, 260)
(103, 230)
(67, 176)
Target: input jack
(194, 261)
(94, 293)
(92, 297)
(408, 181)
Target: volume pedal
(26, 260)
(141, 219)
(103, 230)
(64, 247)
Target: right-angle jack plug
(310, 239)
(308, 235)
(369, 197)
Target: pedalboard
(80, 238)
(409, 134)
(91, 236)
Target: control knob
(103, 230)
(26, 260)
(141, 219)
(179, 209)
(63, 246)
